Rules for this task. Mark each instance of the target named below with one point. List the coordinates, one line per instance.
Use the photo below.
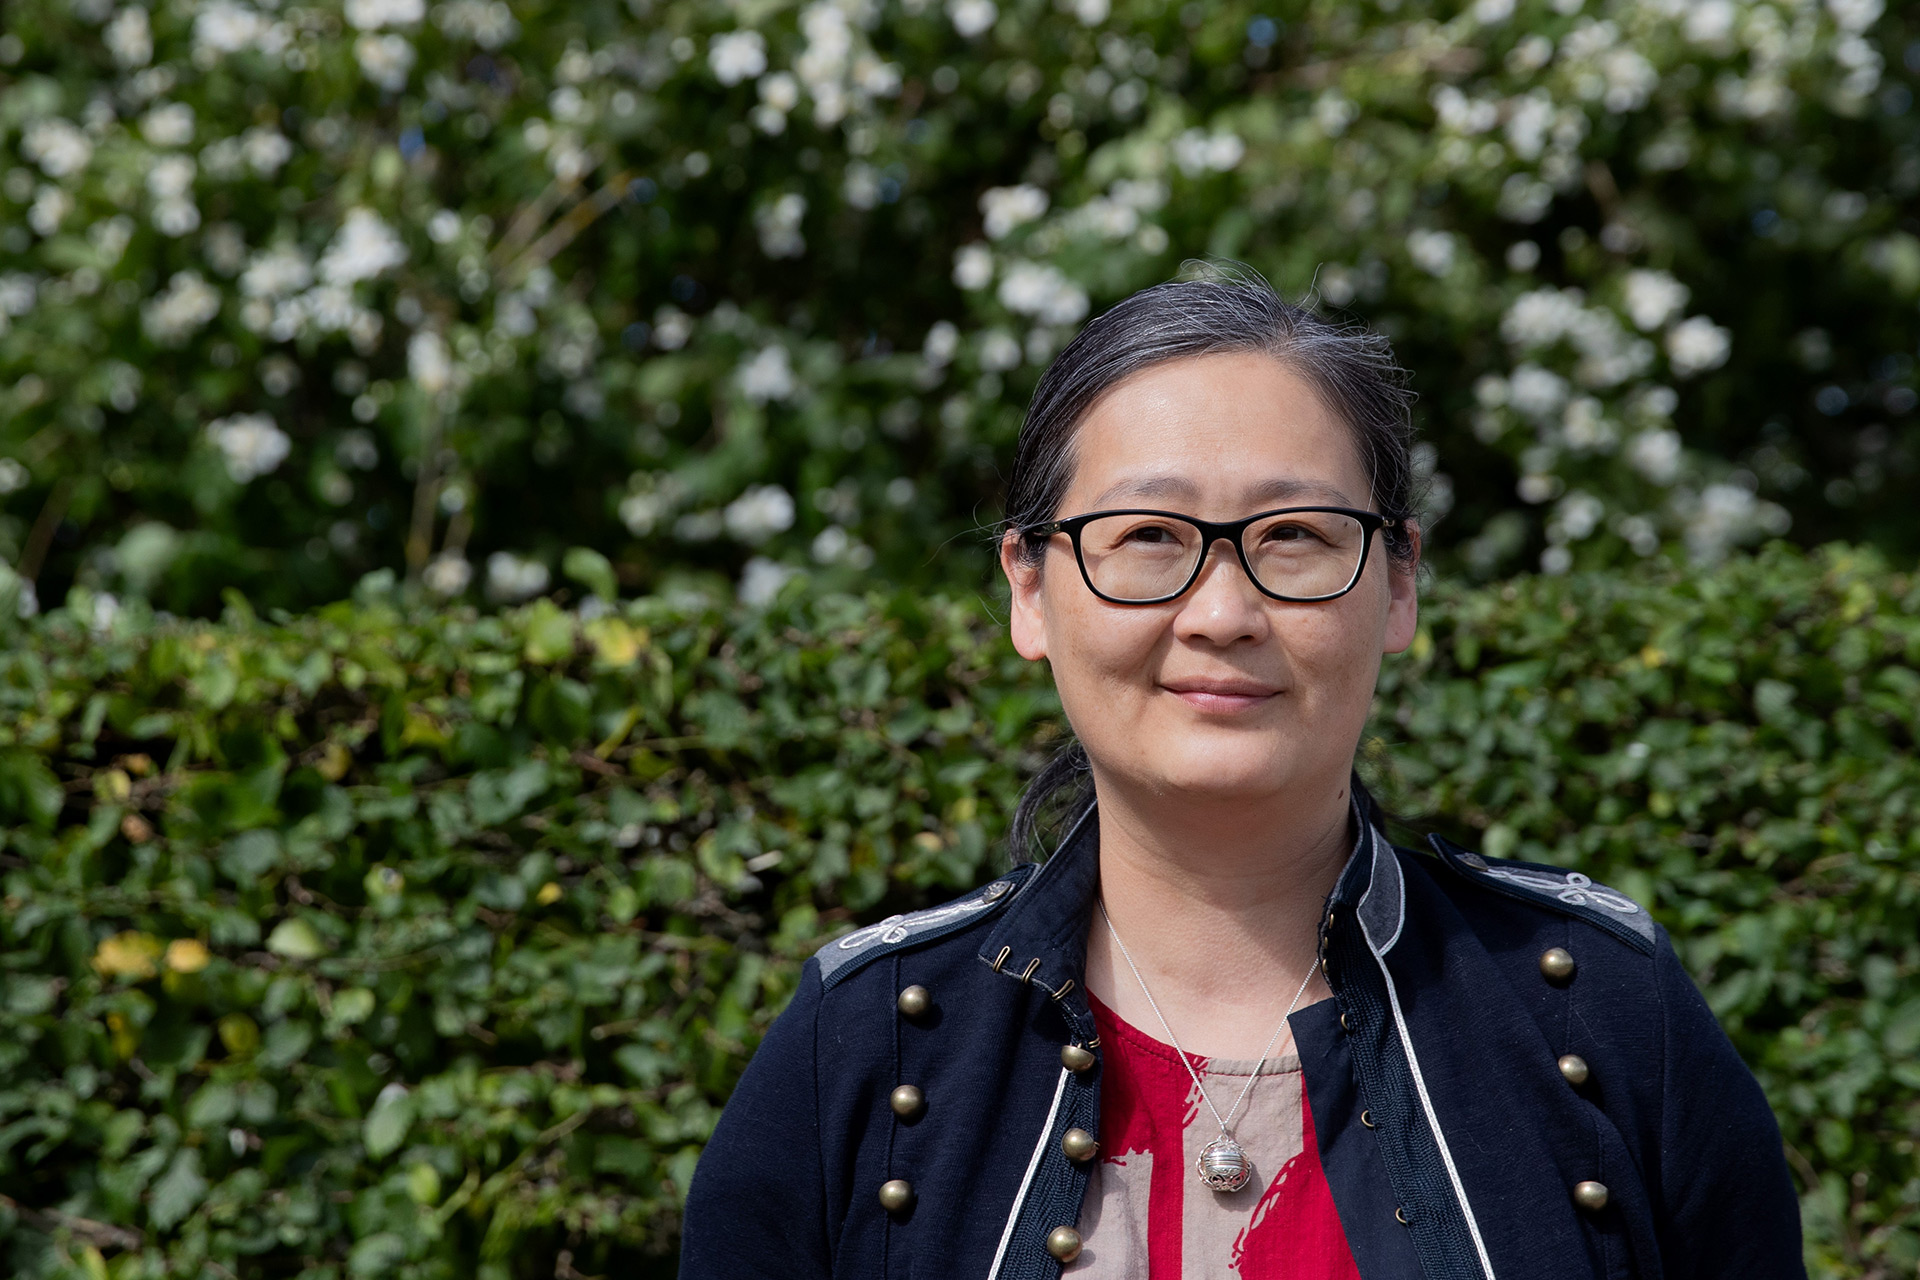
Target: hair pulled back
(1220, 309)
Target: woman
(1226, 1029)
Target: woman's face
(1222, 692)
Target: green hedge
(368, 944)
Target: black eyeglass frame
(1233, 531)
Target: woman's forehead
(1240, 427)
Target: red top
(1146, 1212)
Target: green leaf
(591, 570)
(178, 1191)
(296, 940)
(385, 1127)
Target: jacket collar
(1041, 937)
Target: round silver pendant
(1223, 1164)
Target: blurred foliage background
(446, 449)
(294, 292)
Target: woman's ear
(1027, 623)
(1403, 595)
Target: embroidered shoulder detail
(1570, 891)
(845, 956)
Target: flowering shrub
(294, 291)
(429, 944)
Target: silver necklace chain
(1186, 1061)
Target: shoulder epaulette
(843, 957)
(1569, 892)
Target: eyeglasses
(1301, 555)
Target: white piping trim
(1033, 1166)
(1433, 1120)
(1390, 862)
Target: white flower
(943, 340)
(1529, 120)
(1631, 80)
(768, 376)
(1524, 199)
(1044, 292)
(1710, 22)
(1196, 151)
(759, 513)
(972, 17)
(737, 56)
(58, 146)
(778, 225)
(1333, 112)
(129, 37)
(168, 125)
(1578, 515)
(671, 328)
(488, 23)
(1007, 208)
(1431, 251)
(266, 150)
(428, 362)
(1535, 392)
(1541, 317)
(250, 444)
(1696, 345)
(1655, 454)
(999, 351)
(171, 177)
(761, 580)
(13, 476)
(1492, 12)
(447, 574)
(364, 247)
(1855, 16)
(185, 305)
(1653, 298)
(1461, 114)
(371, 15)
(973, 266)
(386, 60)
(50, 208)
(780, 91)
(511, 577)
(276, 273)
(1727, 514)
(18, 292)
(226, 27)
(443, 227)
(862, 186)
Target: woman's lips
(1220, 696)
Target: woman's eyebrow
(1278, 489)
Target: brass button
(896, 1196)
(1064, 1243)
(1078, 1144)
(1401, 1214)
(1591, 1196)
(907, 1102)
(1366, 1118)
(1574, 1068)
(915, 1001)
(1344, 1024)
(1556, 964)
(1074, 1058)
(1325, 971)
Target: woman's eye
(1151, 534)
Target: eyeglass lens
(1295, 553)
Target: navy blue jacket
(1452, 1132)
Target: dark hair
(1218, 308)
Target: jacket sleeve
(1727, 1202)
(757, 1206)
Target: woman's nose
(1224, 605)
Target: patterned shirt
(1146, 1212)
